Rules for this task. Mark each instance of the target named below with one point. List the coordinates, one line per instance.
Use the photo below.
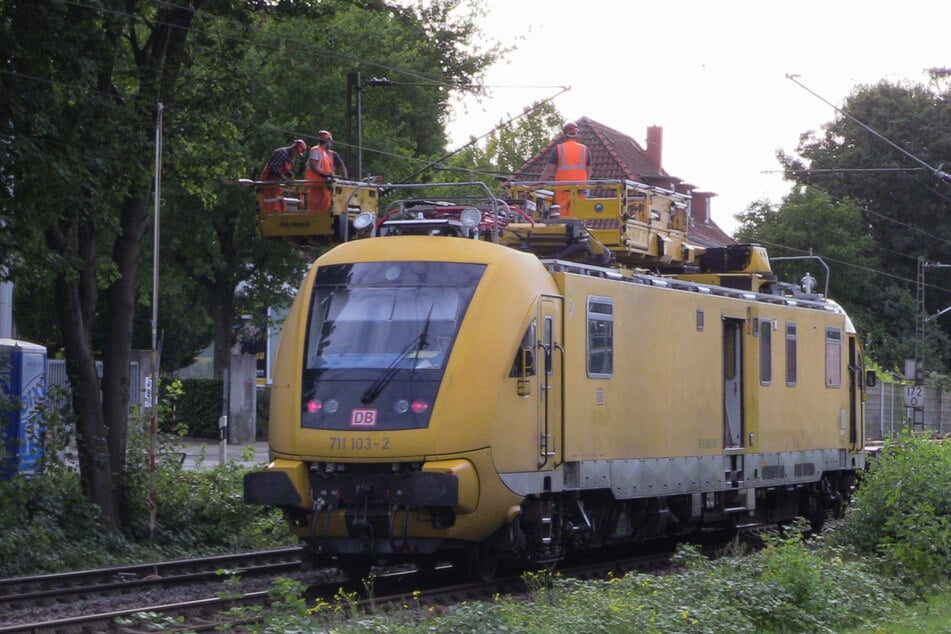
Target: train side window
(600, 337)
(765, 352)
(524, 364)
(791, 361)
(833, 357)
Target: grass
(931, 616)
(788, 587)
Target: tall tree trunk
(120, 313)
(95, 469)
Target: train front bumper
(449, 484)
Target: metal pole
(881, 409)
(891, 417)
(359, 128)
(223, 421)
(155, 296)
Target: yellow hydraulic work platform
(322, 228)
(641, 225)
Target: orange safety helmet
(570, 128)
(325, 135)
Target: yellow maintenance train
(479, 379)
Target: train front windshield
(378, 337)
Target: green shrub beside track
(892, 548)
(46, 525)
(902, 510)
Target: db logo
(363, 418)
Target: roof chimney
(700, 206)
(655, 145)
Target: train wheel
(482, 562)
(355, 568)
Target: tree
(78, 114)
(84, 108)
(287, 81)
(880, 154)
(810, 222)
(511, 144)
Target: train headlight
(401, 406)
(470, 217)
(363, 221)
(332, 406)
(420, 406)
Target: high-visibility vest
(572, 162)
(326, 162)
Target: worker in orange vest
(279, 167)
(568, 161)
(322, 164)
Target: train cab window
(833, 357)
(600, 337)
(525, 354)
(765, 352)
(791, 361)
(379, 338)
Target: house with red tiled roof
(617, 156)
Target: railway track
(209, 606)
(74, 595)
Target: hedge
(195, 412)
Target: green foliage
(195, 509)
(194, 409)
(811, 222)
(46, 525)
(235, 79)
(508, 147)
(263, 416)
(905, 209)
(902, 510)
(788, 587)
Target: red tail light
(420, 406)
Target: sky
(712, 74)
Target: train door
(551, 367)
(856, 387)
(732, 382)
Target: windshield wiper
(415, 346)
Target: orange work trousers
(271, 199)
(319, 197)
(563, 200)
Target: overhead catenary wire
(528, 110)
(943, 176)
(836, 170)
(853, 265)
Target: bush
(787, 587)
(47, 525)
(263, 413)
(194, 409)
(902, 510)
(199, 509)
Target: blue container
(22, 388)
